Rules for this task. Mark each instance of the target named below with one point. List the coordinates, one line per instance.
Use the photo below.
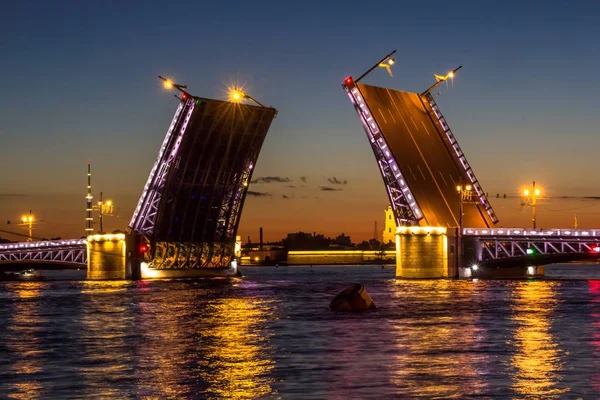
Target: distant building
(389, 233)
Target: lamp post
(28, 220)
(381, 63)
(236, 95)
(104, 207)
(464, 194)
(441, 78)
(531, 195)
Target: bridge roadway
(417, 140)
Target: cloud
(336, 181)
(258, 194)
(270, 179)
(303, 179)
(329, 189)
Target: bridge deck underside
(420, 149)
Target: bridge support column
(106, 255)
(424, 252)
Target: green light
(198, 102)
(530, 251)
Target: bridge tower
(389, 231)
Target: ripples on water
(271, 335)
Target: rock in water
(353, 298)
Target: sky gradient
(79, 83)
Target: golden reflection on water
(537, 361)
(438, 348)
(105, 322)
(24, 339)
(208, 348)
(239, 360)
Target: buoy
(353, 298)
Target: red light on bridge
(143, 249)
(349, 81)
(184, 96)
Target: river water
(271, 335)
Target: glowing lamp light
(184, 96)
(451, 74)
(526, 192)
(530, 251)
(475, 267)
(168, 84)
(596, 249)
(143, 249)
(468, 187)
(537, 192)
(236, 95)
(391, 61)
(348, 81)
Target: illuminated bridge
(61, 252)
(187, 216)
(190, 208)
(446, 223)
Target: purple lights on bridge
(73, 252)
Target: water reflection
(24, 340)
(196, 344)
(104, 324)
(594, 292)
(238, 359)
(537, 361)
(439, 339)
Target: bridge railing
(73, 251)
(581, 233)
(499, 243)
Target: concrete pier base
(106, 256)
(424, 252)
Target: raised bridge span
(189, 210)
(445, 221)
(186, 219)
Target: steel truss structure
(144, 215)
(404, 204)
(72, 252)
(459, 156)
(507, 243)
(190, 208)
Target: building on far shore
(389, 233)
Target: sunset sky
(79, 83)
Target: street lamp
(236, 95)
(104, 208)
(464, 194)
(441, 78)
(530, 196)
(28, 220)
(386, 62)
